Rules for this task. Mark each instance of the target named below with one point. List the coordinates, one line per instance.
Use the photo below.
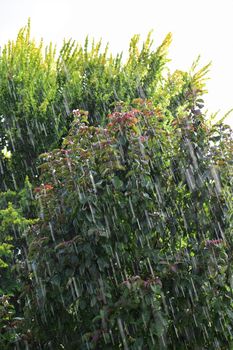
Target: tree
(38, 91)
(28, 90)
(15, 213)
(134, 234)
(132, 247)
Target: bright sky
(198, 26)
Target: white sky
(198, 26)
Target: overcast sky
(198, 26)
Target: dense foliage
(124, 240)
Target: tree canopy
(115, 203)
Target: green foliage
(125, 240)
(27, 92)
(14, 210)
(38, 91)
(95, 81)
(133, 248)
(7, 290)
